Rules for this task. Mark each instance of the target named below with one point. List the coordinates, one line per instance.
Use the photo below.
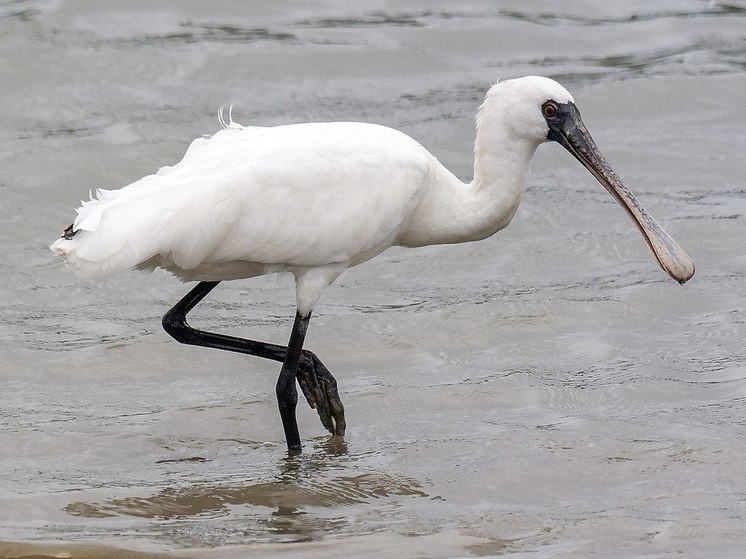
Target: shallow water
(547, 392)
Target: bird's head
(540, 110)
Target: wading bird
(315, 199)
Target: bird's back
(250, 200)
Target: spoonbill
(314, 199)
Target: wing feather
(291, 196)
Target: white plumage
(253, 200)
(315, 197)
(312, 199)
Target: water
(544, 393)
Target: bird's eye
(549, 110)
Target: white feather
(312, 199)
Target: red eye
(549, 110)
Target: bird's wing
(298, 195)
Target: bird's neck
(501, 163)
(455, 212)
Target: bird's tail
(97, 247)
(161, 219)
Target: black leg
(175, 324)
(317, 383)
(287, 395)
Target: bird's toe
(320, 389)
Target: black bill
(567, 128)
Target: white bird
(315, 199)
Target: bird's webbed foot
(320, 389)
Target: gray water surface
(545, 393)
